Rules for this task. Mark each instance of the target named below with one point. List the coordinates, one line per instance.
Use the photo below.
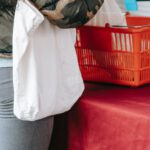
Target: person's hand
(52, 14)
(57, 13)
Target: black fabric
(74, 12)
(7, 6)
(7, 9)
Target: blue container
(131, 5)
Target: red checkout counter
(106, 117)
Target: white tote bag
(46, 75)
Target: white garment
(46, 75)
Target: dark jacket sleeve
(7, 6)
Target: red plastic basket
(115, 54)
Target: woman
(16, 134)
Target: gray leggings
(14, 133)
